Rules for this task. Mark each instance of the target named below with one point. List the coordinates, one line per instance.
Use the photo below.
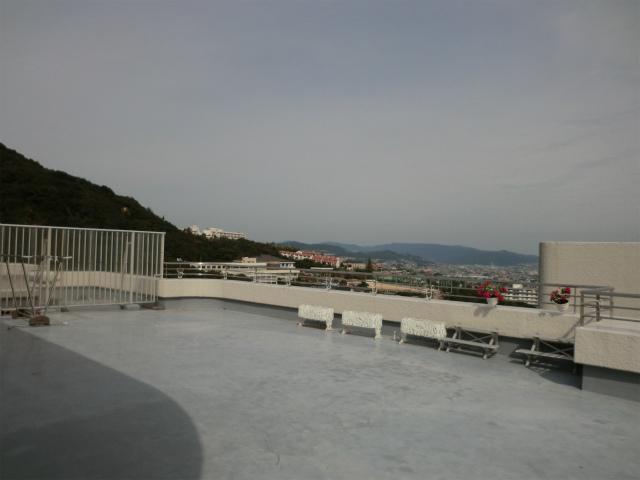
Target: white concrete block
(351, 318)
(422, 328)
(316, 312)
(611, 344)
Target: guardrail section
(42, 266)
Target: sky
(494, 124)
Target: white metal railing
(248, 272)
(533, 295)
(42, 266)
(597, 305)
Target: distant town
(393, 276)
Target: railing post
(131, 266)
(47, 268)
(161, 260)
(597, 307)
(581, 308)
(611, 299)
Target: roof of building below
(271, 259)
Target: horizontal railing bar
(387, 283)
(615, 317)
(612, 294)
(599, 287)
(79, 228)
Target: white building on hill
(213, 232)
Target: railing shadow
(65, 416)
(561, 372)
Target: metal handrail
(80, 228)
(42, 266)
(607, 312)
(532, 295)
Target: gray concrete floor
(215, 390)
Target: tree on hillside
(306, 263)
(31, 194)
(369, 267)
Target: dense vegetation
(34, 195)
(306, 263)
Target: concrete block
(613, 344)
(370, 320)
(317, 313)
(420, 327)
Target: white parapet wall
(507, 321)
(317, 313)
(351, 318)
(76, 287)
(421, 327)
(611, 344)
(614, 264)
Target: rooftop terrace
(217, 389)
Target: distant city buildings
(269, 260)
(262, 269)
(213, 232)
(318, 257)
(520, 293)
(352, 265)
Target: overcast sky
(494, 124)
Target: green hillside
(34, 195)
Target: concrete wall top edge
(568, 242)
(507, 321)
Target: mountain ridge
(430, 252)
(31, 194)
(342, 252)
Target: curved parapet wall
(507, 321)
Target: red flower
(488, 290)
(560, 296)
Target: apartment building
(318, 257)
(214, 232)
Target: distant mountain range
(422, 253)
(32, 194)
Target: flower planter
(561, 297)
(492, 293)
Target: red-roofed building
(318, 257)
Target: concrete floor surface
(217, 390)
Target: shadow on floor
(560, 372)
(65, 416)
